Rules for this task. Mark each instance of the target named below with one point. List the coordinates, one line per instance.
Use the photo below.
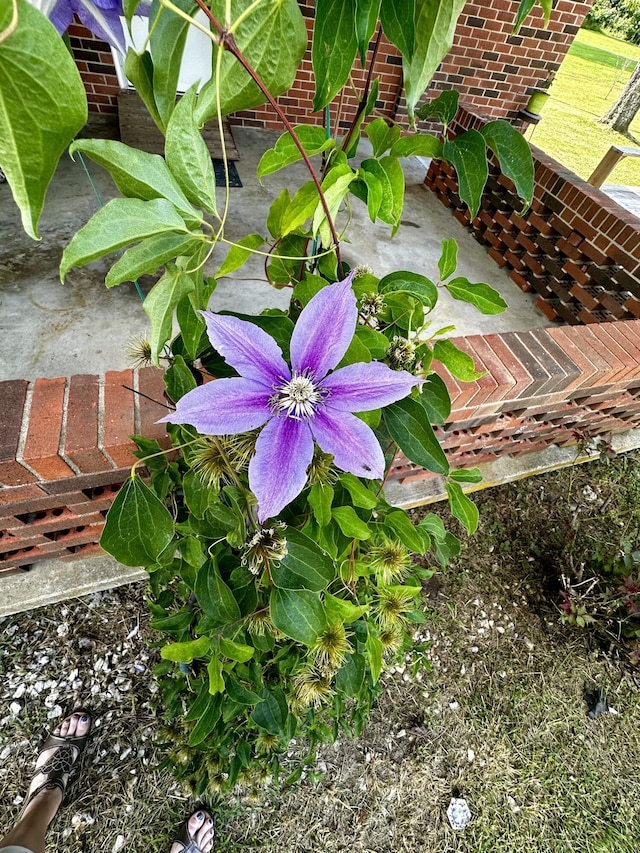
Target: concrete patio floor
(49, 330)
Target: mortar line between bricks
(136, 401)
(24, 429)
(63, 427)
(101, 416)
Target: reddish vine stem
(365, 93)
(228, 41)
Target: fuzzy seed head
(371, 304)
(330, 648)
(400, 354)
(390, 560)
(311, 688)
(259, 624)
(393, 605)
(321, 470)
(209, 462)
(139, 351)
(266, 546)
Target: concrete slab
(49, 330)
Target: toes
(79, 725)
(196, 822)
(200, 826)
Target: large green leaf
(273, 39)
(462, 507)
(160, 304)
(358, 492)
(168, 35)
(138, 527)
(366, 18)
(381, 135)
(285, 151)
(306, 566)
(467, 153)
(373, 650)
(448, 261)
(137, 174)
(409, 427)
(410, 536)
(527, 5)
(350, 523)
(458, 363)
(187, 155)
(443, 108)
(42, 107)
(435, 23)
(320, 500)
(413, 283)
(149, 255)
(120, 222)
(398, 23)
(271, 714)
(334, 187)
(298, 613)
(395, 175)
(485, 298)
(370, 166)
(334, 48)
(187, 651)
(214, 596)
(514, 155)
(435, 399)
(207, 721)
(300, 208)
(350, 676)
(417, 145)
(138, 68)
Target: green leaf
(306, 566)
(350, 676)
(395, 176)
(340, 610)
(350, 147)
(198, 707)
(120, 222)
(366, 18)
(385, 207)
(443, 108)
(188, 157)
(375, 342)
(207, 721)
(448, 260)
(285, 151)
(239, 253)
(381, 135)
(168, 33)
(466, 475)
(320, 500)
(435, 24)
(373, 649)
(298, 613)
(410, 536)
(239, 693)
(458, 363)
(138, 68)
(300, 208)
(334, 48)
(273, 39)
(136, 174)
(214, 596)
(276, 213)
(483, 296)
(434, 398)
(419, 286)
(138, 527)
(239, 652)
(335, 187)
(360, 494)
(179, 379)
(351, 525)
(42, 107)
(271, 714)
(191, 327)
(526, 6)
(514, 156)
(467, 153)
(197, 495)
(150, 254)
(356, 352)
(462, 507)
(398, 23)
(373, 195)
(175, 623)
(192, 552)
(186, 652)
(160, 304)
(417, 145)
(216, 678)
(409, 427)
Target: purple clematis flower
(101, 17)
(299, 405)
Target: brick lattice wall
(64, 453)
(576, 248)
(492, 68)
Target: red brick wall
(492, 68)
(95, 63)
(64, 452)
(576, 248)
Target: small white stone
(63, 629)
(54, 713)
(471, 756)
(118, 843)
(401, 733)
(500, 629)
(529, 644)
(454, 706)
(18, 801)
(15, 708)
(474, 649)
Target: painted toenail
(200, 816)
(210, 822)
(84, 718)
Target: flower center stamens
(298, 397)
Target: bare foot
(57, 757)
(198, 830)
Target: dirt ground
(491, 709)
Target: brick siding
(490, 67)
(576, 248)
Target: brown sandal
(68, 750)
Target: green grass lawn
(587, 84)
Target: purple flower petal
(247, 348)
(223, 407)
(362, 387)
(351, 442)
(278, 471)
(324, 329)
(103, 22)
(59, 13)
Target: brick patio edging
(65, 447)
